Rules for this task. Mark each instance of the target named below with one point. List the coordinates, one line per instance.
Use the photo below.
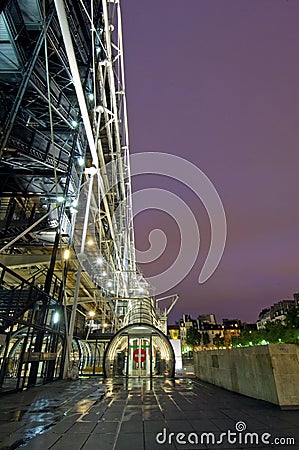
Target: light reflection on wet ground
(77, 415)
(27, 414)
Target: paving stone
(70, 441)
(82, 427)
(42, 442)
(129, 441)
(132, 427)
(154, 426)
(106, 427)
(149, 415)
(179, 425)
(110, 417)
(203, 425)
(224, 424)
(100, 441)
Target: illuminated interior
(139, 350)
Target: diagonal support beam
(22, 88)
(63, 21)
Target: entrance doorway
(139, 359)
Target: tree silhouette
(193, 337)
(292, 318)
(206, 339)
(218, 341)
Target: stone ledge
(268, 372)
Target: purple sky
(217, 83)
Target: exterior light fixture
(91, 313)
(89, 242)
(56, 317)
(74, 123)
(104, 273)
(81, 161)
(66, 254)
(60, 199)
(91, 170)
(90, 97)
(100, 109)
(109, 284)
(75, 203)
(99, 261)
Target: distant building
(213, 335)
(207, 318)
(174, 331)
(216, 336)
(263, 318)
(277, 312)
(232, 328)
(185, 323)
(232, 323)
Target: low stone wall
(267, 372)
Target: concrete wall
(267, 372)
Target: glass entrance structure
(139, 350)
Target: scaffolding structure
(67, 257)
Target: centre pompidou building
(71, 295)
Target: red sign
(139, 355)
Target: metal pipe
(27, 230)
(78, 280)
(65, 30)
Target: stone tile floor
(118, 414)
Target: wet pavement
(141, 414)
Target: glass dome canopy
(139, 350)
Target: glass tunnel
(139, 350)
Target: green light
(142, 346)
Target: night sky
(217, 83)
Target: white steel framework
(104, 233)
